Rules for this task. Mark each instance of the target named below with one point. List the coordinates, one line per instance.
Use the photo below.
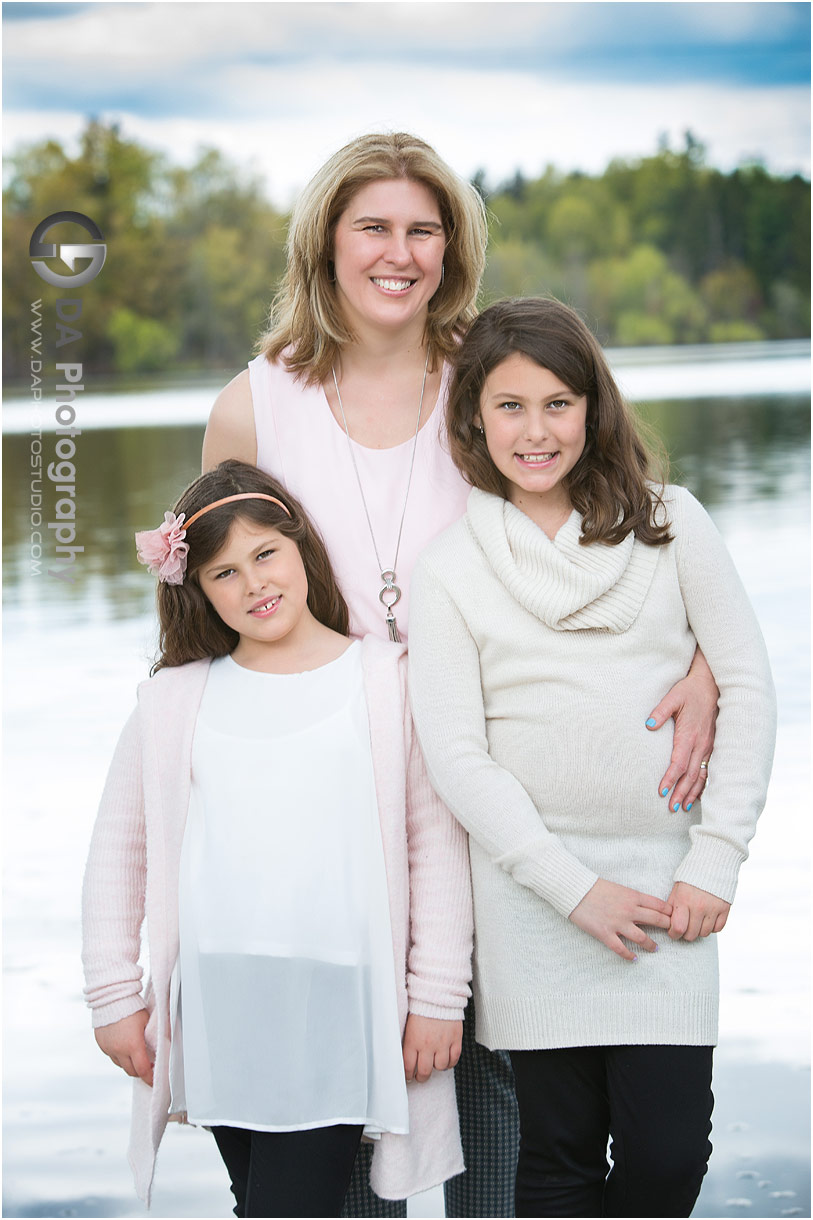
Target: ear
(476, 420)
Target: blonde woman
(345, 405)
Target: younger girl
(304, 889)
(542, 626)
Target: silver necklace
(390, 594)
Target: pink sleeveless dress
(300, 443)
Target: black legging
(289, 1173)
(655, 1102)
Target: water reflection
(728, 451)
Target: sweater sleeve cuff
(419, 1008)
(549, 869)
(107, 1014)
(712, 865)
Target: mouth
(266, 607)
(536, 459)
(393, 284)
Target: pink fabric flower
(163, 550)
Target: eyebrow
(514, 397)
(220, 567)
(385, 220)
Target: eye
(373, 229)
(264, 554)
(225, 572)
(424, 232)
(559, 404)
(510, 406)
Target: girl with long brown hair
(306, 894)
(543, 623)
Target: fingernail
(635, 958)
(655, 950)
(664, 791)
(675, 807)
(650, 724)
(688, 807)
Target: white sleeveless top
(287, 1017)
(300, 443)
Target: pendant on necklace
(390, 596)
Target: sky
(493, 86)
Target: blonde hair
(305, 317)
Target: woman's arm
(114, 888)
(693, 704)
(230, 432)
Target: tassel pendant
(389, 597)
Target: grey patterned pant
(489, 1130)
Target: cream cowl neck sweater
(534, 665)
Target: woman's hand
(430, 1043)
(124, 1043)
(693, 704)
(695, 912)
(609, 911)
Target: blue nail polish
(675, 808)
(635, 958)
(655, 950)
(664, 791)
(650, 724)
(688, 807)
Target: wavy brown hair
(612, 484)
(190, 629)
(305, 315)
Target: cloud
(494, 86)
(496, 121)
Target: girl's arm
(114, 889)
(489, 801)
(441, 922)
(726, 628)
(693, 704)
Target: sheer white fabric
(288, 1007)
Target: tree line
(660, 250)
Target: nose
(256, 582)
(398, 252)
(536, 424)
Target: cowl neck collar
(567, 586)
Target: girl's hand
(693, 704)
(695, 912)
(124, 1043)
(430, 1043)
(609, 911)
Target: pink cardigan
(132, 872)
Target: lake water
(737, 428)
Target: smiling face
(388, 254)
(535, 431)
(258, 586)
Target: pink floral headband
(164, 551)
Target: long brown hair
(611, 485)
(190, 629)
(305, 316)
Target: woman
(344, 405)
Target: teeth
(267, 605)
(393, 285)
(535, 457)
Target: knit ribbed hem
(420, 1008)
(713, 865)
(545, 1022)
(107, 1014)
(549, 869)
